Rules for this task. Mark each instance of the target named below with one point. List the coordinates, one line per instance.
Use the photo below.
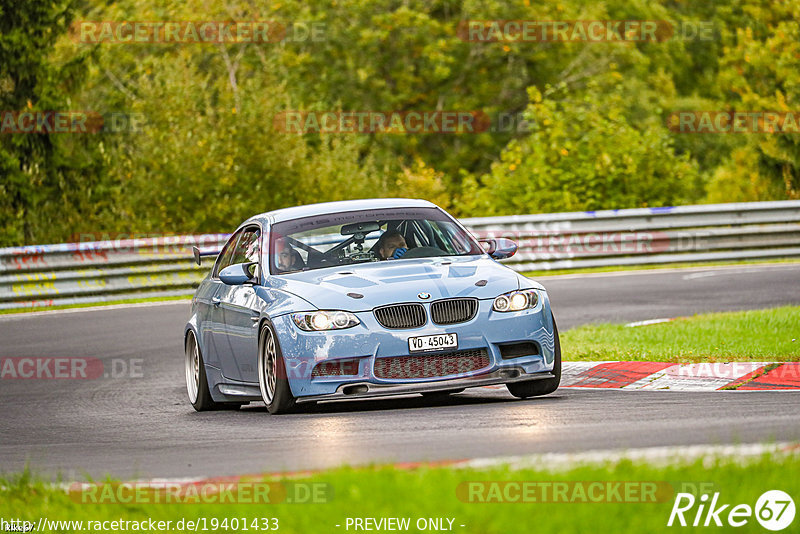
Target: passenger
(391, 245)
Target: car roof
(325, 208)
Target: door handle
(215, 301)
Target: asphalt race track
(145, 427)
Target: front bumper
(369, 341)
(362, 390)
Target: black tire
(272, 378)
(196, 380)
(535, 388)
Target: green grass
(93, 304)
(759, 335)
(681, 265)
(443, 492)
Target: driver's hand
(398, 253)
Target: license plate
(436, 342)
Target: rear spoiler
(198, 254)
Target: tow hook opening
(355, 390)
(509, 373)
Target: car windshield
(366, 236)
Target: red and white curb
(671, 455)
(631, 375)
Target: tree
(762, 72)
(44, 178)
(583, 154)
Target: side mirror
(238, 274)
(500, 248)
(199, 254)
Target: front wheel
(272, 378)
(535, 388)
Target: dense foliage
(205, 153)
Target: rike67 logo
(774, 510)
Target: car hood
(390, 282)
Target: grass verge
(642, 502)
(95, 304)
(758, 335)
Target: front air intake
(517, 350)
(431, 365)
(336, 368)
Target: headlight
(325, 320)
(516, 301)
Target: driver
(288, 258)
(391, 245)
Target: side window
(247, 248)
(224, 258)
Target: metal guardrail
(97, 271)
(642, 236)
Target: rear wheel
(535, 388)
(272, 377)
(196, 381)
